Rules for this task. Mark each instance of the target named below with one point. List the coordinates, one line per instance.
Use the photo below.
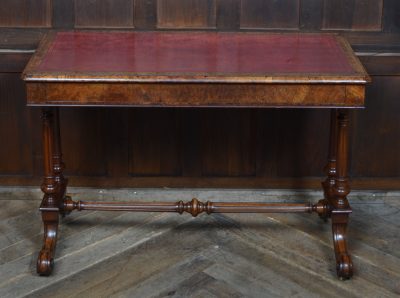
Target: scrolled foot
(45, 262)
(344, 267)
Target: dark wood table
(196, 69)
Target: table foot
(45, 261)
(344, 267)
(344, 264)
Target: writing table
(196, 69)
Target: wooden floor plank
(165, 282)
(140, 263)
(74, 259)
(203, 285)
(286, 278)
(111, 254)
(378, 248)
(312, 255)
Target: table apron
(195, 94)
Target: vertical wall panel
(83, 141)
(391, 16)
(270, 14)
(25, 13)
(186, 13)
(154, 143)
(228, 142)
(200, 143)
(376, 145)
(104, 13)
(228, 14)
(145, 14)
(311, 14)
(63, 13)
(15, 138)
(353, 14)
(302, 142)
(268, 123)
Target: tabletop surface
(195, 56)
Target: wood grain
(186, 14)
(25, 13)
(227, 147)
(228, 14)
(145, 14)
(13, 62)
(63, 13)
(170, 262)
(385, 140)
(104, 13)
(195, 95)
(154, 143)
(270, 14)
(82, 137)
(22, 33)
(15, 153)
(291, 162)
(391, 15)
(363, 15)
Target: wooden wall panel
(269, 14)
(228, 14)
(25, 13)
(202, 147)
(145, 14)
(186, 14)
(391, 15)
(228, 142)
(63, 14)
(104, 13)
(268, 129)
(154, 142)
(376, 132)
(363, 15)
(302, 143)
(15, 149)
(83, 141)
(13, 62)
(311, 14)
(191, 141)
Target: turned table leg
(330, 168)
(58, 164)
(336, 188)
(340, 205)
(51, 202)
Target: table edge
(30, 75)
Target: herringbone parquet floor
(114, 254)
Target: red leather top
(195, 52)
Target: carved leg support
(45, 261)
(330, 168)
(58, 164)
(344, 265)
(336, 188)
(51, 200)
(341, 207)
